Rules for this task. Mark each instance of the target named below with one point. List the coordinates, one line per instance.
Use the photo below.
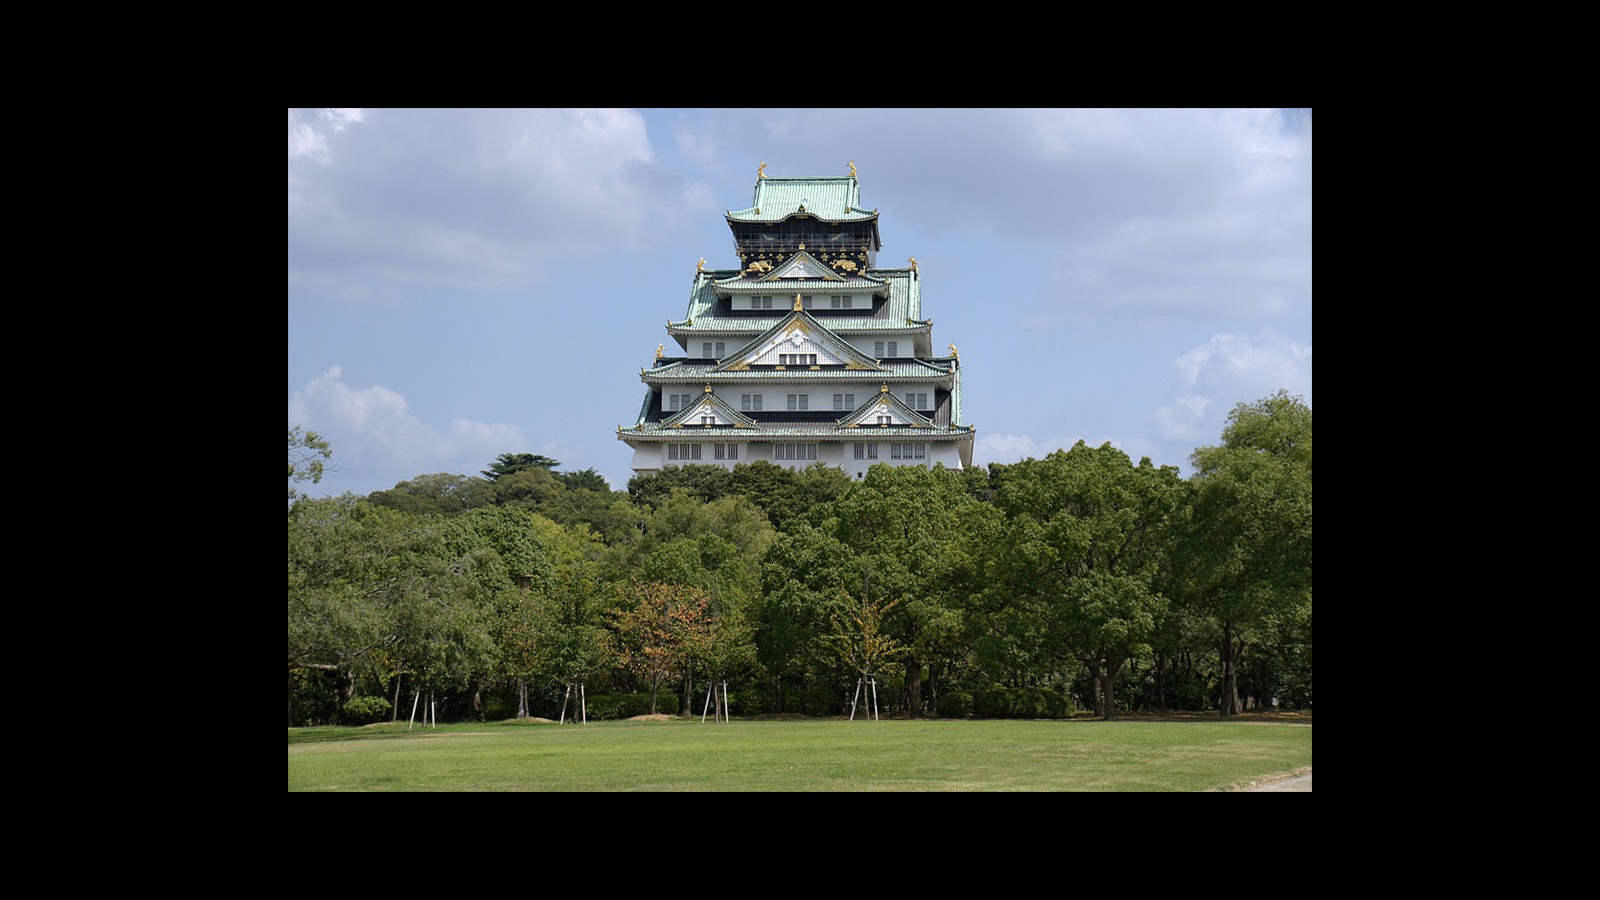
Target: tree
(905, 527)
(308, 452)
(659, 630)
(1246, 560)
(439, 494)
(1075, 575)
(858, 639)
(507, 463)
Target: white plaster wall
(652, 457)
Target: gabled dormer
(798, 341)
(706, 412)
(883, 411)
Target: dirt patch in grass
(658, 717)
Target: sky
(467, 283)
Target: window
(751, 402)
(908, 451)
(722, 348)
(708, 420)
(760, 302)
(917, 401)
(797, 359)
(844, 401)
(866, 451)
(799, 401)
(805, 301)
(840, 302)
(709, 350)
(794, 451)
(683, 451)
(725, 451)
(878, 348)
(705, 350)
(678, 401)
(885, 420)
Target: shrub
(955, 705)
(1001, 702)
(365, 710)
(626, 706)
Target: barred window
(683, 451)
(866, 451)
(917, 401)
(725, 451)
(750, 402)
(794, 451)
(844, 401)
(799, 401)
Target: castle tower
(806, 353)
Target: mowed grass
(811, 755)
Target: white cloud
(378, 442)
(308, 131)
(470, 199)
(1003, 448)
(1227, 370)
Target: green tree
(1075, 575)
(308, 454)
(1245, 562)
(439, 494)
(507, 463)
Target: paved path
(1297, 783)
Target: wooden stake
(583, 699)
(564, 698)
(414, 709)
(709, 688)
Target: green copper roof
(903, 312)
(894, 372)
(752, 281)
(829, 199)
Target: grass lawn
(794, 755)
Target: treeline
(1080, 581)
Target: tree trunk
(914, 688)
(522, 698)
(291, 698)
(477, 700)
(686, 708)
(1111, 689)
(1229, 705)
(655, 688)
(1161, 684)
(394, 708)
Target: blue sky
(466, 283)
